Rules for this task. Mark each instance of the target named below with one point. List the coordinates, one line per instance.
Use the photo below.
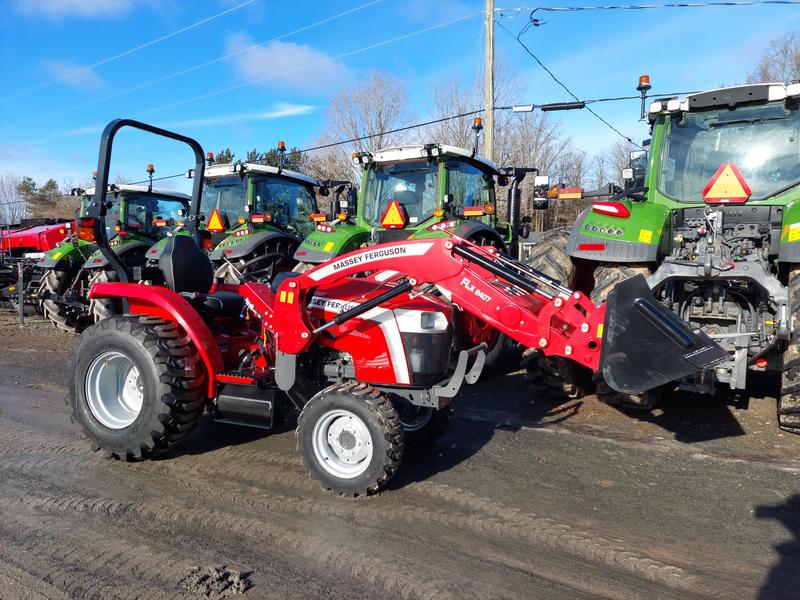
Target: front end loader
(357, 346)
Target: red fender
(164, 303)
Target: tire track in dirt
(497, 521)
(394, 580)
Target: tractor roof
(419, 151)
(727, 97)
(126, 187)
(215, 171)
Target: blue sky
(206, 83)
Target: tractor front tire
(57, 282)
(606, 277)
(567, 379)
(350, 439)
(137, 386)
(789, 399)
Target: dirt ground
(524, 497)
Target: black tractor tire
(57, 282)
(104, 308)
(561, 376)
(606, 277)
(168, 373)
(789, 399)
(422, 426)
(344, 418)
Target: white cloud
(74, 75)
(289, 65)
(90, 9)
(281, 110)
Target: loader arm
(641, 345)
(477, 279)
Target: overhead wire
(312, 64)
(129, 51)
(561, 83)
(196, 67)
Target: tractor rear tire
(137, 386)
(104, 308)
(57, 281)
(350, 439)
(567, 379)
(606, 277)
(789, 399)
(422, 426)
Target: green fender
(641, 237)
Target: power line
(646, 6)
(129, 51)
(559, 82)
(313, 64)
(198, 66)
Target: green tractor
(138, 216)
(405, 192)
(711, 215)
(256, 215)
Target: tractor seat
(280, 278)
(185, 266)
(216, 304)
(188, 271)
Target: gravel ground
(524, 497)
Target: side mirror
(541, 183)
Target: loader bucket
(645, 345)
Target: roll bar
(98, 206)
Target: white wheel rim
(114, 390)
(342, 444)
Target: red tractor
(358, 346)
(26, 245)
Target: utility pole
(488, 90)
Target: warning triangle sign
(393, 217)
(215, 223)
(727, 186)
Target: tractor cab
(257, 215)
(254, 197)
(138, 216)
(407, 189)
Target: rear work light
(325, 228)
(613, 209)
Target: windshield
(112, 216)
(413, 184)
(143, 210)
(761, 140)
(227, 195)
(468, 186)
(289, 203)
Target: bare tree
(780, 61)
(372, 109)
(12, 206)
